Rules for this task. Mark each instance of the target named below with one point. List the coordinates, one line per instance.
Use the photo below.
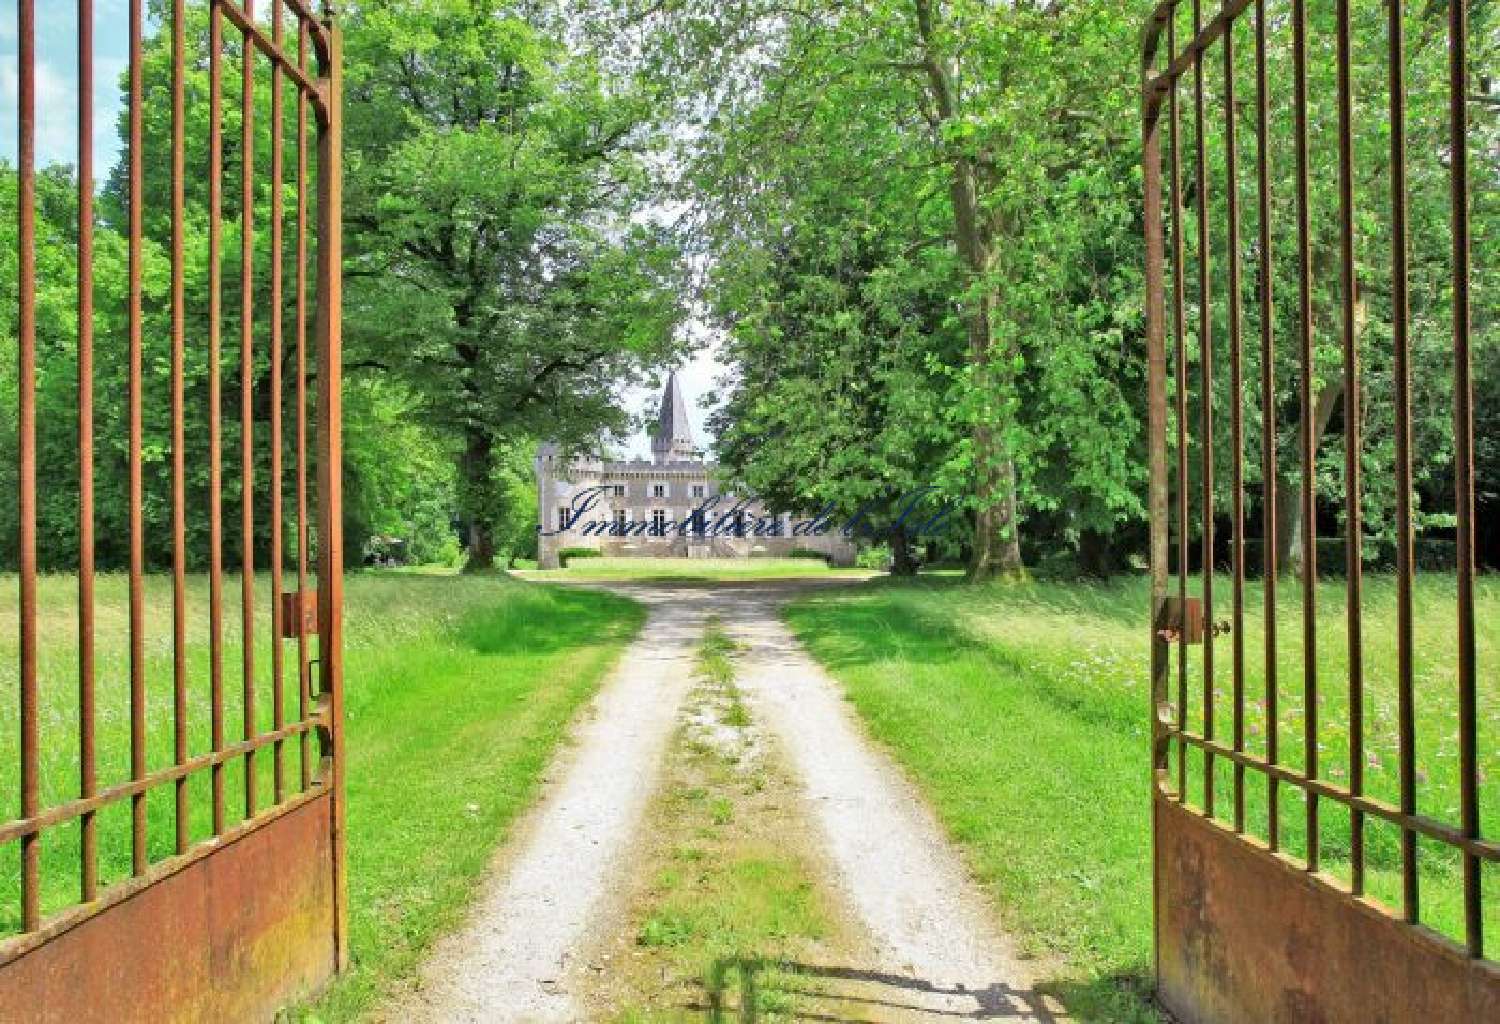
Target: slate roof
(674, 432)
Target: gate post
(331, 455)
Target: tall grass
(1024, 711)
(457, 691)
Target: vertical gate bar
(1309, 497)
(1236, 423)
(1205, 407)
(1269, 567)
(216, 399)
(278, 711)
(1401, 372)
(88, 851)
(26, 445)
(303, 696)
(1156, 385)
(1463, 469)
(1156, 446)
(179, 440)
(247, 403)
(331, 459)
(136, 488)
(1353, 449)
(1179, 325)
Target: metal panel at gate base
(229, 936)
(1249, 936)
(179, 831)
(1308, 866)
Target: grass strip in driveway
(726, 901)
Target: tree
(495, 259)
(988, 132)
(840, 349)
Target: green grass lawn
(457, 692)
(1023, 711)
(659, 570)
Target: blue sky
(57, 142)
(57, 80)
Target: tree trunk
(477, 470)
(902, 561)
(997, 544)
(1290, 543)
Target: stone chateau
(643, 508)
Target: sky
(57, 142)
(696, 377)
(57, 80)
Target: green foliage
(829, 181)
(567, 555)
(499, 286)
(924, 217)
(497, 266)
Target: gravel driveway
(556, 882)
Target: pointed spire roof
(673, 438)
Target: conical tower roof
(673, 437)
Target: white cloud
(57, 82)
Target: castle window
(619, 490)
(622, 519)
(658, 490)
(562, 517)
(698, 490)
(659, 522)
(739, 524)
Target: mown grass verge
(1023, 711)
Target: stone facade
(669, 506)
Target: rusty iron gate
(1270, 905)
(215, 905)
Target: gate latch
(1182, 622)
(299, 614)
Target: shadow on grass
(738, 986)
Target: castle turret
(672, 441)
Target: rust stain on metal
(299, 614)
(1182, 621)
(1244, 932)
(1247, 935)
(234, 935)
